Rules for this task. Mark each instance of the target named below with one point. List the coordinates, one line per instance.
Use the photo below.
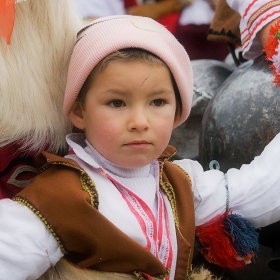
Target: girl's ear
(76, 115)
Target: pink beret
(109, 34)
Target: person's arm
(253, 189)
(262, 35)
(256, 17)
(27, 248)
(226, 220)
(158, 9)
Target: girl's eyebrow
(156, 92)
(162, 92)
(114, 91)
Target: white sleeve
(254, 16)
(27, 248)
(253, 189)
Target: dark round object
(241, 118)
(209, 74)
(238, 122)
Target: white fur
(33, 71)
(65, 271)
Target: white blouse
(27, 248)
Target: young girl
(115, 205)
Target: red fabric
(11, 160)
(217, 244)
(7, 18)
(129, 3)
(170, 21)
(194, 39)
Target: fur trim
(33, 74)
(63, 270)
(201, 273)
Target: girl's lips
(138, 144)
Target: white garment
(142, 181)
(199, 12)
(254, 16)
(99, 8)
(27, 248)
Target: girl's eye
(117, 103)
(157, 102)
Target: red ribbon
(7, 19)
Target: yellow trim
(169, 191)
(187, 174)
(89, 186)
(87, 183)
(139, 275)
(43, 219)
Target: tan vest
(64, 197)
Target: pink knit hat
(109, 34)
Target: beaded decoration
(272, 50)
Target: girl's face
(129, 112)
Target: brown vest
(64, 197)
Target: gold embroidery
(189, 264)
(140, 276)
(245, 39)
(186, 173)
(162, 276)
(89, 186)
(86, 182)
(44, 167)
(25, 202)
(169, 191)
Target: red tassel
(7, 18)
(216, 244)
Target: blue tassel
(244, 235)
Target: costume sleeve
(226, 220)
(253, 189)
(27, 249)
(254, 16)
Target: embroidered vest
(64, 197)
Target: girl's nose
(138, 120)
